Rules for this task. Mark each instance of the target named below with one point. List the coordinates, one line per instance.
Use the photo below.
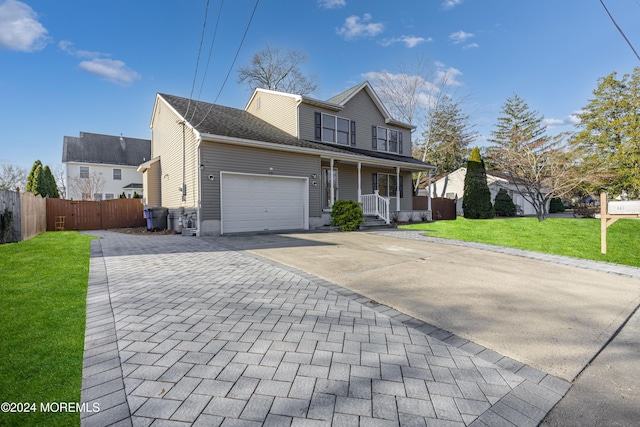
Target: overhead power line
(232, 63)
(195, 74)
(213, 40)
(620, 29)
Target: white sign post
(624, 209)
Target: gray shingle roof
(105, 149)
(234, 123)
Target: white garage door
(262, 203)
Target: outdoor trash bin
(156, 218)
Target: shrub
(503, 204)
(6, 221)
(556, 205)
(346, 214)
(476, 203)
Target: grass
(574, 237)
(43, 290)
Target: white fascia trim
(298, 98)
(181, 119)
(312, 151)
(146, 165)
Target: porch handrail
(375, 204)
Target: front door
(327, 181)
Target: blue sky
(95, 66)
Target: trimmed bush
(503, 204)
(556, 205)
(346, 214)
(476, 203)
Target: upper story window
(334, 129)
(84, 172)
(117, 174)
(388, 140)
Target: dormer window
(386, 140)
(334, 129)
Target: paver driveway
(186, 331)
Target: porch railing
(375, 204)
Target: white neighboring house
(451, 186)
(114, 158)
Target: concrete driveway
(549, 316)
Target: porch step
(372, 222)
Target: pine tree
(476, 202)
(39, 185)
(31, 176)
(50, 184)
(503, 204)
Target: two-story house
(100, 167)
(280, 163)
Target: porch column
(359, 183)
(397, 189)
(429, 191)
(332, 198)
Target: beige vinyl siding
(167, 143)
(151, 180)
(278, 110)
(363, 111)
(234, 158)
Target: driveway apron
(184, 331)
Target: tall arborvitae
(31, 177)
(476, 202)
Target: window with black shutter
(318, 126)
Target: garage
(263, 203)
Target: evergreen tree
(50, 184)
(503, 204)
(31, 176)
(39, 184)
(476, 203)
(609, 132)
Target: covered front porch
(384, 188)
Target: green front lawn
(43, 291)
(575, 237)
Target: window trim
(119, 178)
(84, 170)
(376, 181)
(320, 129)
(375, 132)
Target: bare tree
(60, 176)
(541, 167)
(413, 94)
(13, 177)
(89, 187)
(273, 69)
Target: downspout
(199, 205)
(359, 182)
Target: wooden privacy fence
(441, 208)
(29, 214)
(89, 215)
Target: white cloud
(67, 46)
(471, 46)
(570, 120)
(409, 41)
(460, 37)
(356, 27)
(111, 69)
(332, 4)
(20, 29)
(448, 76)
(449, 4)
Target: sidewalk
(185, 331)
